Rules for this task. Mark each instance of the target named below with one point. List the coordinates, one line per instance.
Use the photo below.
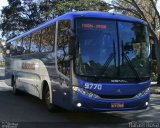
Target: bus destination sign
(94, 26)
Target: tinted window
(48, 38)
(10, 49)
(19, 47)
(97, 45)
(35, 42)
(63, 47)
(13, 43)
(26, 44)
(103, 51)
(135, 49)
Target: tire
(13, 84)
(47, 97)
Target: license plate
(117, 105)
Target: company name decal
(29, 66)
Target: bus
(84, 60)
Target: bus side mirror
(72, 47)
(153, 45)
(69, 33)
(71, 39)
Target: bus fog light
(79, 104)
(146, 103)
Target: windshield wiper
(110, 58)
(124, 55)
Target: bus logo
(119, 81)
(118, 90)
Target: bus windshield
(111, 48)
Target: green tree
(31, 15)
(18, 17)
(11, 19)
(21, 15)
(53, 8)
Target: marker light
(79, 104)
(146, 103)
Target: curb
(154, 88)
(155, 91)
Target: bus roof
(83, 14)
(106, 15)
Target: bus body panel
(67, 98)
(31, 72)
(114, 88)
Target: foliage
(11, 18)
(21, 15)
(145, 10)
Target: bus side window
(10, 49)
(36, 42)
(63, 47)
(48, 38)
(25, 47)
(19, 48)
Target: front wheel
(47, 97)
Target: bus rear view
(111, 65)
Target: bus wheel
(47, 98)
(13, 84)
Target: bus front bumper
(82, 102)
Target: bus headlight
(85, 92)
(142, 93)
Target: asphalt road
(26, 111)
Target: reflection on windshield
(135, 50)
(101, 53)
(96, 49)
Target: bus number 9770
(93, 86)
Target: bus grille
(116, 96)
